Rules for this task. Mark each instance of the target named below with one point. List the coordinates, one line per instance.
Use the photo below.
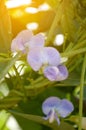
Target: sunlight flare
(31, 10)
(17, 3)
(32, 26)
(59, 39)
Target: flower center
(52, 116)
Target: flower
(55, 108)
(48, 60)
(38, 57)
(26, 40)
(43, 59)
(56, 73)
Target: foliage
(22, 90)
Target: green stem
(54, 24)
(81, 93)
(73, 52)
(69, 47)
(74, 65)
(19, 93)
(9, 102)
(20, 81)
(80, 44)
(39, 85)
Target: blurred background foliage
(21, 89)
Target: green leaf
(68, 22)
(40, 120)
(35, 118)
(75, 119)
(72, 80)
(3, 119)
(28, 124)
(5, 66)
(5, 28)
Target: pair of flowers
(46, 60)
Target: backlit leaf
(5, 28)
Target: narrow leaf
(8, 65)
(5, 28)
(40, 120)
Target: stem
(75, 65)
(73, 52)
(80, 44)
(81, 93)
(39, 85)
(54, 24)
(9, 102)
(20, 81)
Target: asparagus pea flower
(48, 60)
(39, 57)
(54, 73)
(55, 108)
(26, 40)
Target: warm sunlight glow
(17, 3)
(31, 10)
(59, 39)
(32, 26)
(34, 10)
(44, 7)
(17, 13)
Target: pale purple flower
(55, 108)
(48, 60)
(42, 57)
(25, 40)
(54, 73)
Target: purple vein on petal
(49, 104)
(63, 73)
(51, 72)
(65, 108)
(53, 56)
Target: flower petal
(52, 55)
(65, 108)
(34, 58)
(63, 73)
(57, 119)
(20, 40)
(49, 104)
(51, 72)
(25, 35)
(36, 41)
(56, 73)
(51, 116)
(17, 45)
(42, 56)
